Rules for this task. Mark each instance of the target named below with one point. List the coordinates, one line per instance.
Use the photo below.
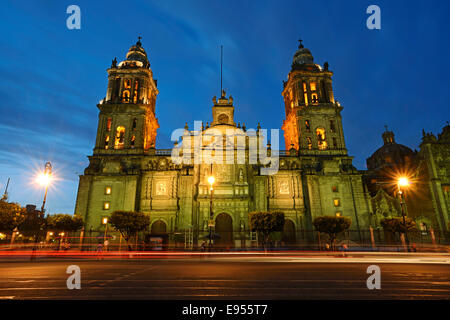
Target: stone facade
(314, 177)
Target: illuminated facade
(314, 177)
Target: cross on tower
(300, 43)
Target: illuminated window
(127, 84)
(312, 86)
(106, 205)
(314, 98)
(309, 142)
(321, 139)
(305, 93)
(108, 124)
(106, 142)
(135, 92)
(338, 214)
(133, 138)
(334, 188)
(337, 202)
(108, 190)
(332, 126)
(307, 126)
(120, 138)
(126, 96)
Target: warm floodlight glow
(211, 180)
(43, 179)
(403, 182)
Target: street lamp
(105, 222)
(211, 181)
(403, 182)
(44, 180)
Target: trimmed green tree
(396, 225)
(265, 223)
(129, 223)
(332, 226)
(12, 215)
(64, 222)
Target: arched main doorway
(224, 228)
(158, 238)
(288, 232)
(159, 227)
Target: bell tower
(313, 123)
(127, 122)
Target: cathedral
(314, 177)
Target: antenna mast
(221, 63)
(5, 195)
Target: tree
(332, 226)
(12, 215)
(396, 224)
(265, 223)
(128, 223)
(64, 222)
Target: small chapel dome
(390, 154)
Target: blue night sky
(52, 78)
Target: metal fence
(376, 239)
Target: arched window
(133, 138)
(133, 127)
(108, 124)
(321, 138)
(307, 126)
(126, 96)
(309, 143)
(135, 92)
(106, 142)
(314, 95)
(120, 138)
(305, 93)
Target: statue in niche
(241, 175)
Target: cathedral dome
(303, 56)
(303, 60)
(390, 154)
(136, 57)
(444, 137)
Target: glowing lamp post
(211, 181)
(402, 183)
(105, 222)
(44, 180)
